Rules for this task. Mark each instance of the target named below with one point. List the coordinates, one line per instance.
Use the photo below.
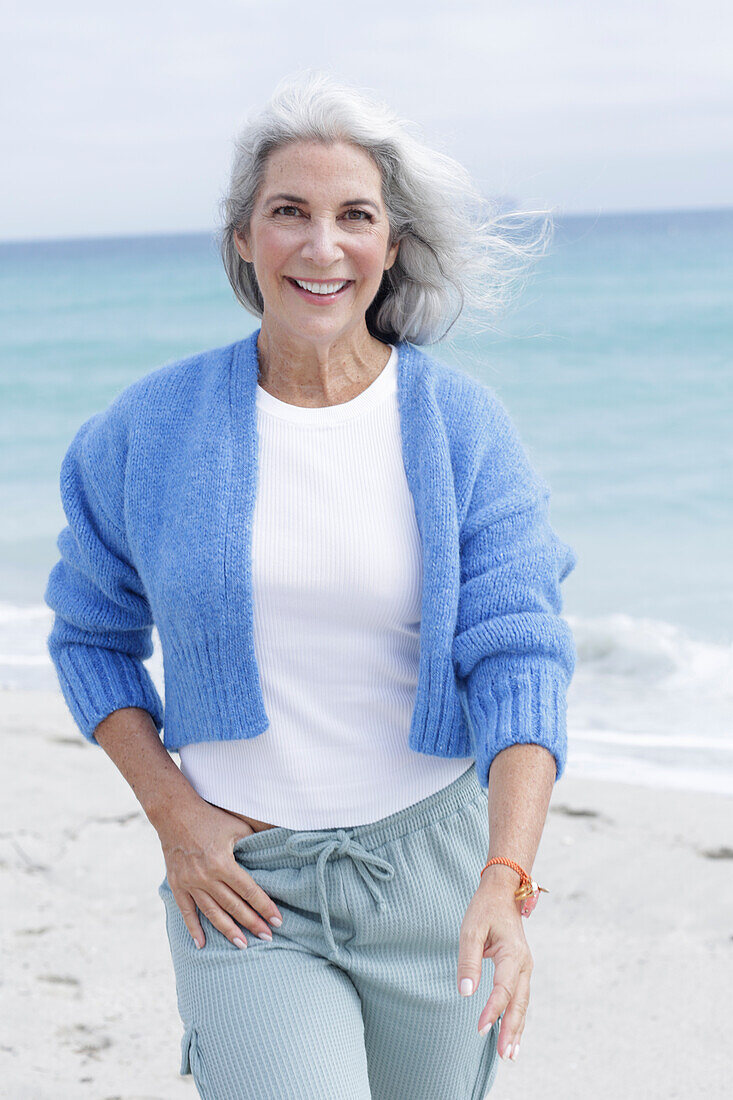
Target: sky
(120, 118)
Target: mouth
(320, 291)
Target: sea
(615, 361)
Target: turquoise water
(617, 367)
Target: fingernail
(466, 987)
(275, 921)
(198, 944)
(265, 936)
(515, 1052)
(239, 942)
(486, 1028)
(507, 1052)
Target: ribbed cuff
(517, 701)
(96, 681)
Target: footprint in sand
(58, 979)
(84, 1040)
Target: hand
(492, 928)
(198, 846)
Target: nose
(321, 245)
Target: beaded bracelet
(527, 892)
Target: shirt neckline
(384, 384)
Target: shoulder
(464, 400)
(146, 412)
(163, 397)
(172, 386)
(484, 443)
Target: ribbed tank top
(337, 587)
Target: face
(319, 219)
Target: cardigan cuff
(514, 701)
(96, 681)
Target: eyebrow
(304, 202)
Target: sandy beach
(633, 946)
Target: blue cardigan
(159, 489)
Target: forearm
(130, 739)
(521, 779)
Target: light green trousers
(356, 996)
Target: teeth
(321, 288)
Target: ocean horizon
(616, 364)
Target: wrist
(526, 893)
(501, 875)
(170, 800)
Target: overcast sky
(119, 118)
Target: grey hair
(457, 249)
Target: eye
(362, 215)
(279, 209)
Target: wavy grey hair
(457, 248)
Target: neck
(314, 375)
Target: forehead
(313, 168)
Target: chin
(327, 329)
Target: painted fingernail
(507, 1052)
(198, 944)
(239, 942)
(275, 921)
(466, 987)
(515, 1052)
(486, 1028)
(265, 936)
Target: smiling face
(318, 220)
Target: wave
(650, 650)
(647, 700)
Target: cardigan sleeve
(102, 627)
(514, 655)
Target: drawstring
(369, 866)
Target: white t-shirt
(337, 585)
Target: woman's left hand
(492, 928)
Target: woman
(348, 558)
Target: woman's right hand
(198, 847)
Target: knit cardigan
(158, 490)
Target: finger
(190, 915)
(506, 975)
(243, 913)
(244, 886)
(212, 910)
(512, 1024)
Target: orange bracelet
(527, 892)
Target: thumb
(470, 957)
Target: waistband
(285, 846)
(428, 811)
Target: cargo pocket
(191, 1061)
(489, 1063)
(188, 1050)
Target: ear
(240, 243)
(391, 255)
